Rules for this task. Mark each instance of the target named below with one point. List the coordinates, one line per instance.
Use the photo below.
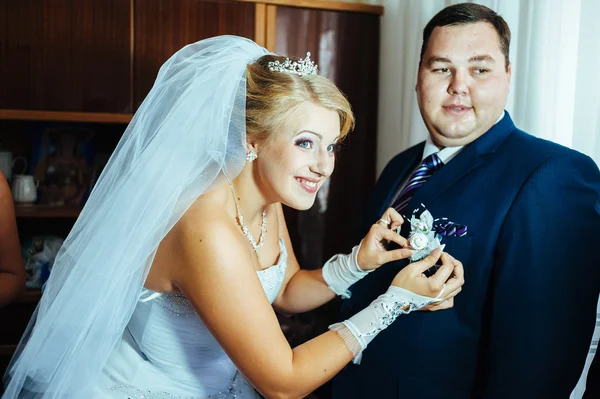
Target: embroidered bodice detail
(272, 277)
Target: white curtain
(555, 52)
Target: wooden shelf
(324, 5)
(44, 211)
(98, 117)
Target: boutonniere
(423, 238)
(426, 233)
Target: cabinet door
(65, 55)
(164, 26)
(345, 45)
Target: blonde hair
(272, 96)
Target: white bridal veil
(189, 132)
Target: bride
(166, 285)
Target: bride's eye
(305, 144)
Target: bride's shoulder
(207, 223)
(205, 239)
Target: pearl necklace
(245, 230)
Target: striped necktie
(425, 170)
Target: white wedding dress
(167, 352)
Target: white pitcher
(24, 189)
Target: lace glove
(341, 271)
(361, 328)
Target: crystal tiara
(302, 67)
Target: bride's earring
(251, 156)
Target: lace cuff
(341, 271)
(376, 317)
(348, 337)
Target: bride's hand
(373, 252)
(447, 280)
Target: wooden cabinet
(164, 26)
(345, 45)
(68, 55)
(101, 56)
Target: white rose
(418, 241)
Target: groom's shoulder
(540, 151)
(542, 148)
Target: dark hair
(469, 13)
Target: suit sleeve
(545, 283)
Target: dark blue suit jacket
(522, 325)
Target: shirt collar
(445, 155)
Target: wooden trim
(260, 24)
(131, 53)
(46, 211)
(64, 116)
(323, 5)
(271, 30)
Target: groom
(523, 217)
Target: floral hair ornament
(302, 67)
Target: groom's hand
(373, 249)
